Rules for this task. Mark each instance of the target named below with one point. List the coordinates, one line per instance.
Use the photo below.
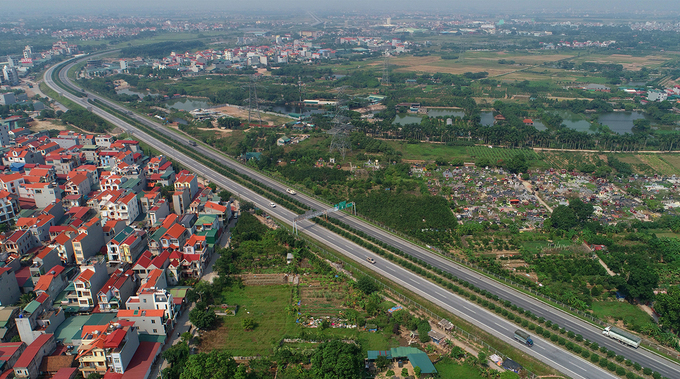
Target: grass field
(448, 368)
(267, 306)
(428, 151)
(629, 313)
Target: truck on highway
(523, 337)
(622, 336)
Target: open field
(628, 62)
(618, 310)
(267, 306)
(430, 151)
(448, 368)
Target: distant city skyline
(445, 6)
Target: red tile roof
(32, 350)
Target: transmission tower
(253, 107)
(341, 128)
(386, 70)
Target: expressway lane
(588, 331)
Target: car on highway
(370, 260)
(291, 191)
(271, 204)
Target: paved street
(545, 351)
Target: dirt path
(528, 185)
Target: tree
(563, 218)
(176, 356)
(202, 318)
(389, 373)
(668, 306)
(583, 211)
(217, 364)
(517, 164)
(247, 206)
(404, 372)
(417, 371)
(212, 186)
(642, 281)
(248, 323)
(225, 195)
(366, 285)
(337, 360)
(482, 358)
(382, 362)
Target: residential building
(175, 237)
(52, 283)
(92, 278)
(8, 327)
(187, 181)
(38, 318)
(20, 242)
(9, 206)
(43, 194)
(89, 241)
(153, 299)
(10, 353)
(148, 321)
(116, 291)
(109, 349)
(27, 366)
(127, 245)
(46, 259)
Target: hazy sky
(448, 6)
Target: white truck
(622, 336)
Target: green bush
(556, 327)
(620, 358)
(628, 362)
(620, 371)
(637, 366)
(539, 330)
(647, 371)
(579, 338)
(594, 358)
(554, 338)
(630, 375)
(586, 343)
(603, 350)
(532, 326)
(541, 320)
(656, 375)
(603, 362)
(548, 324)
(611, 366)
(594, 346)
(611, 354)
(577, 349)
(561, 341)
(571, 334)
(585, 353)
(547, 334)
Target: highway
(561, 359)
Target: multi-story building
(148, 321)
(9, 287)
(9, 206)
(46, 259)
(92, 277)
(28, 364)
(110, 349)
(38, 318)
(150, 298)
(116, 291)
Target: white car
(291, 191)
(271, 204)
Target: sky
(448, 6)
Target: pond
(141, 94)
(406, 119)
(486, 118)
(437, 112)
(186, 104)
(620, 122)
(575, 121)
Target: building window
(153, 321)
(155, 331)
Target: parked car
(370, 260)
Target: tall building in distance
(28, 52)
(10, 75)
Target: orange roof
(62, 238)
(10, 177)
(4, 194)
(175, 231)
(43, 253)
(140, 313)
(79, 178)
(85, 275)
(215, 206)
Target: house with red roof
(22, 155)
(188, 181)
(115, 292)
(10, 352)
(11, 182)
(150, 298)
(63, 244)
(28, 364)
(43, 262)
(89, 241)
(110, 349)
(92, 278)
(20, 242)
(78, 185)
(39, 226)
(159, 211)
(9, 206)
(52, 282)
(9, 287)
(175, 237)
